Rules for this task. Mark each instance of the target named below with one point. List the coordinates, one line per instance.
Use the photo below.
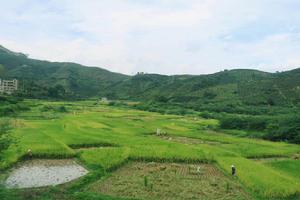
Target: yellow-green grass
(262, 180)
(109, 158)
(130, 135)
(288, 167)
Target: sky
(156, 36)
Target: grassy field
(104, 138)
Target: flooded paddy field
(169, 181)
(44, 172)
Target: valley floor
(126, 158)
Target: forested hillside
(42, 79)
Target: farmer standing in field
(29, 152)
(233, 170)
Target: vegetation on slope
(41, 79)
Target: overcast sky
(156, 36)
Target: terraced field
(107, 140)
(170, 181)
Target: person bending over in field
(233, 170)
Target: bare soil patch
(170, 181)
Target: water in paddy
(39, 173)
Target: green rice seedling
(145, 181)
(109, 157)
(290, 167)
(261, 179)
(227, 186)
(151, 186)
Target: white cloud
(169, 37)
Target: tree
(286, 129)
(2, 70)
(270, 101)
(57, 92)
(209, 94)
(161, 99)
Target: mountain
(74, 78)
(239, 86)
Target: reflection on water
(38, 173)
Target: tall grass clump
(5, 140)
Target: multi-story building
(8, 86)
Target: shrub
(286, 129)
(4, 139)
(46, 108)
(244, 122)
(209, 94)
(205, 115)
(62, 109)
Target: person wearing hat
(233, 170)
(29, 153)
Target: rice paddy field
(190, 158)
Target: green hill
(76, 80)
(241, 86)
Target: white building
(8, 86)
